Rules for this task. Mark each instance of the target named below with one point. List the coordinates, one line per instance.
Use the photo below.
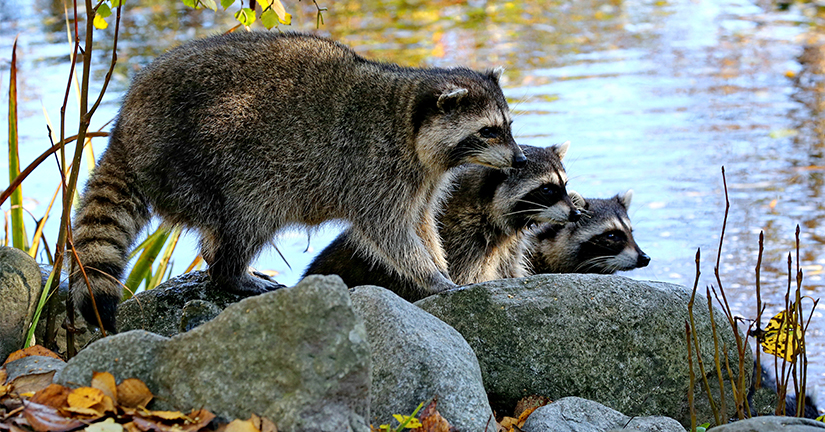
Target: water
(655, 96)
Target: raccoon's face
(467, 121)
(601, 242)
(536, 192)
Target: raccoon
(239, 135)
(483, 226)
(600, 242)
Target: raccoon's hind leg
(228, 256)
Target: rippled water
(655, 96)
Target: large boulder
(415, 357)
(298, 356)
(772, 424)
(610, 339)
(573, 414)
(20, 289)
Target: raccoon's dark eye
(489, 132)
(548, 190)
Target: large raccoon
(600, 242)
(239, 135)
(483, 226)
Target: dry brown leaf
(4, 389)
(55, 396)
(432, 421)
(167, 415)
(86, 414)
(241, 426)
(105, 382)
(195, 421)
(105, 405)
(36, 350)
(44, 418)
(506, 422)
(131, 427)
(32, 383)
(85, 397)
(133, 393)
(527, 402)
(268, 425)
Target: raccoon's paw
(439, 283)
(254, 283)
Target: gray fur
(483, 226)
(600, 242)
(240, 135)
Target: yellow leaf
(783, 336)
(412, 422)
(100, 23)
(84, 397)
(283, 17)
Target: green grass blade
(18, 230)
(164, 259)
(44, 297)
(143, 267)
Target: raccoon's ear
(495, 73)
(577, 200)
(450, 98)
(625, 200)
(561, 149)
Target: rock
(298, 356)
(33, 373)
(126, 355)
(197, 312)
(575, 414)
(20, 289)
(772, 424)
(610, 339)
(161, 310)
(416, 356)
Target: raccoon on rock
(239, 135)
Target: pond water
(655, 95)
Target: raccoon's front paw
(254, 283)
(439, 282)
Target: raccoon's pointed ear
(625, 200)
(495, 73)
(450, 98)
(577, 200)
(561, 149)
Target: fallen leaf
(36, 350)
(241, 426)
(131, 427)
(84, 397)
(91, 413)
(268, 425)
(107, 425)
(133, 393)
(32, 383)
(105, 382)
(105, 405)
(432, 421)
(168, 415)
(55, 396)
(44, 418)
(506, 422)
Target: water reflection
(655, 96)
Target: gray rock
(33, 365)
(20, 289)
(197, 312)
(772, 424)
(298, 356)
(416, 356)
(609, 339)
(573, 414)
(125, 355)
(85, 334)
(160, 310)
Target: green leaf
(210, 4)
(116, 3)
(143, 267)
(191, 3)
(18, 229)
(226, 3)
(164, 259)
(245, 16)
(264, 4)
(269, 19)
(103, 10)
(100, 22)
(41, 304)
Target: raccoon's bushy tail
(111, 214)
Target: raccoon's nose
(519, 160)
(643, 260)
(574, 215)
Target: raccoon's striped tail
(111, 214)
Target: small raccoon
(240, 135)
(600, 242)
(483, 226)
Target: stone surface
(573, 414)
(32, 365)
(20, 289)
(298, 356)
(416, 356)
(609, 339)
(772, 424)
(161, 310)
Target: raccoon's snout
(643, 260)
(575, 215)
(519, 160)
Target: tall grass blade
(18, 230)
(164, 259)
(143, 267)
(44, 297)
